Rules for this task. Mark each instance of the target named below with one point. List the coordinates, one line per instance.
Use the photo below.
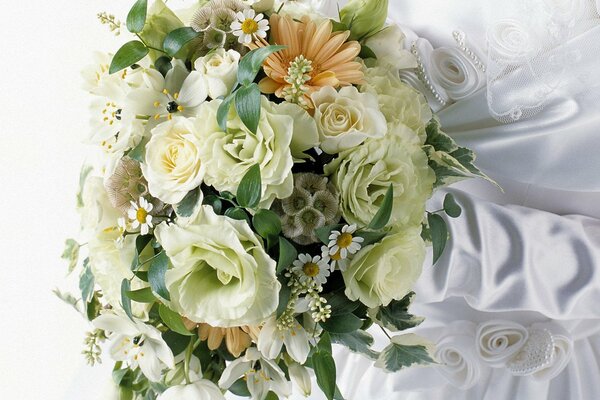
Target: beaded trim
(460, 38)
(422, 75)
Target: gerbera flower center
(249, 26)
(311, 269)
(141, 215)
(344, 240)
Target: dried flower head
(126, 184)
(314, 203)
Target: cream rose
(346, 118)
(221, 273)
(363, 175)
(388, 46)
(229, 155)
(219, 68)
(398, 101)
(173, 165)
(387, 270)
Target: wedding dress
(513, 303)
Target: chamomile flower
(248, 26)
(335, 260)
(311, 268)
(344, 242)
(139, 214)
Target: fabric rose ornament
(221, 273)
(387, 270)
(498, 341)
(399, 102)
(229, 155)
(219, 68)
(173, 166)
(364, 174)
(346, 118)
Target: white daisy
(307, 267)
(344, 242)
(249, 25)
(140, 215)
(335, 260)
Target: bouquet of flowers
(261, 195)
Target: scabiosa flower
(344, 242)
(140, 217)
(249, 26)
(314, 268)
(126, 184)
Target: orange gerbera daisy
(315, 57)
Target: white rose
(387, 270)
(220, 70)
(398, 102)
(173, 166)
(364, 174)
(229, 155)
(346, 118)
(202, 389)
(388, 46)
(221, 273)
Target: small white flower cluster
(298, 75)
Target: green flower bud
(364, 17)
(161, 20)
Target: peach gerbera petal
(268, 85)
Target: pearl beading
(460, 38)
(424, 78)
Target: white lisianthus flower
(306, 135)
(219, 68)
(387, 270)
(137, 344)
(221, 273)
(173, 165)
(346, 118)
(363, 176)
(388, 46)
(229, 155)
(273, 336)
(267, 377)
(201, 389)
(261, 5)
(399, 102)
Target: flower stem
(385, 332)
(188, 357)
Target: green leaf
(250, 190)
(271, 396)
(287, 255)
(67, 298)
(118, 375)
(340, 303)
(141, 242)
(189, 204)
(125, 393)
(86, 282)
(371, 237)
(223, 111)
(395, 316)
(251, 63)
(138, 153)
(344, 323)
(125, 300)
(156, 275)
(71, 253)
(324, 344)
(215, 202)
(136, 19)
(366, 52)
(357, 341)
(285, 293)
(438, 139)
(173, 320)
(439, 235)
(163, 65)
(247, 105)
(324, 232)
(127, 55)
(382, 217)
(142, 295)
(267, 224)
(324, 367)
(237, 213)
(177, 39)
(451, 207)
(83, 175)
(398, 356)
(240, 388)
(338, 26)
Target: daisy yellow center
(337, 256)
(311, 269)
(249, 26)
(141, 215)
(344, 240)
